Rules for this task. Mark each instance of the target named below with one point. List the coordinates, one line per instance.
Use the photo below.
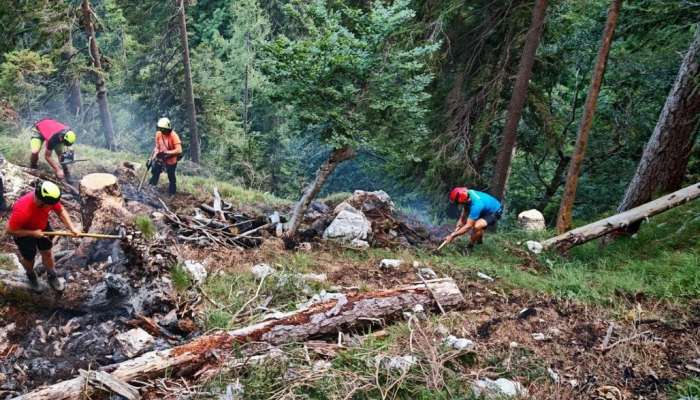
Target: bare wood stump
(316, 319)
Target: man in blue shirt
(483, 210)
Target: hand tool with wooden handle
(82, 234)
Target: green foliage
(347, 79)
(146, 226)
(181, 280)
(687, 390)
(24, 78)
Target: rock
(316, 210)
(398, 363)
(534, 247)
(499, 388)
(134, 342)
(348, 226)
(553, 374)
(304, 246)
(390, 263)
(196, 271)
(369, 201)
(531, 220)
(540, 337)
(262, 270)
(484, 276)
(427, 273)
(169, 321)
(234, 391)
(418, 309)
(359, 244)
(321, 365)
(315, 277)
(459, 343)
(344, 206)
(117, 286)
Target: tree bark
(195, 151)
(665, 158)
(317, 319)
(621, 221)
(517, 99)
(324, 171)
(569, 195)
(100, 85)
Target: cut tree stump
(620, 221)
(325, 317)
(103, 207)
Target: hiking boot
(33, 281)
(54, 281)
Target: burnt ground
(117, 287)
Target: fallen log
(320, 318)
(620, 221)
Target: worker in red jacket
(56, 135)
(28, 222)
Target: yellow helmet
(164, 124)
(69, 138)
(47, 192)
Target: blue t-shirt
(481, 204)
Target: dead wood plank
(620, 221)
(105, 381)
(325, 317)
(218, 212)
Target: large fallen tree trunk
(15, 287)
(325, 317)
(620, 221)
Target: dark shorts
(491, 218)
(28, 245)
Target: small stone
(513, 345)
(418, 308)
(499, 388)
(459, 344)
(428, 273)
(262, 270)
(531, 220)
(359, 244)
(304, 246)
(134, 342)
(540, 337)
(196, 271)
(169, 321)
(553, 374)
(399, 363)
(554, 331)
(484, 276)
(390, 263)
(534, 247)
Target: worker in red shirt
(165, 154)
(28, 222)
(56, 135)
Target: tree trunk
(621, 221)
(569, 195)
(100, 85)
(324, 171)
(321, 318)
(195, 151)
(665, 158)
(517, 99)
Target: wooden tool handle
(82, 234)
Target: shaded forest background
(419, 89)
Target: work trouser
(157, 169)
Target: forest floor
(619, 322)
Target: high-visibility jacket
(48, 127)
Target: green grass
(146, 226)
(236, 195)
(686, 390)
(181, 281)
(6, 262)
(660, 262)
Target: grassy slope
(660, 263)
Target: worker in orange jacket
(166, 152)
